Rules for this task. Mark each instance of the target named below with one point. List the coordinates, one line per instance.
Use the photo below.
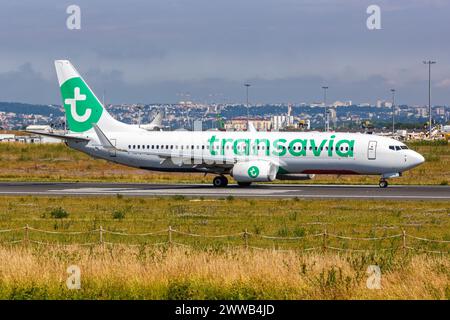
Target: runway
(264, 191)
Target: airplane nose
(416, 159)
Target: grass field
(28, 162)
(214, 268)
(272, 260)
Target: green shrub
(59, 213)
(118, 215)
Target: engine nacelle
(254, 171)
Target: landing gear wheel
(244, 184)
(383, 184)
(220, 182)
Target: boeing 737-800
(248, 157)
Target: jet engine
(254, 171)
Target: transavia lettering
(280, 147)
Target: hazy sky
(160, 50)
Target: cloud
(152, 50)
(444, 83)
(27, 85)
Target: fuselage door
(372, 150)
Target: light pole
(429, 63)
(139, 115)
(247, 85)
(393, 111)
(325, 105)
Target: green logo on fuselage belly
(81, 106)
(280, 147)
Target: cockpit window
(397, 148)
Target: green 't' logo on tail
(81, 106)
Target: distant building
(240, 124)
(44, 129)
(422, 112)
(281, 122)
(342, 104)
(332, 115)
(7, 137)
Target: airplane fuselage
(294, 152)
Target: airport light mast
(393, 111)
(247, 85)
(327, 124)
(429, 63)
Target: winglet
(251, 127)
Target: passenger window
(134, 146)
(129, 146)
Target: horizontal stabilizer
(58, 136)
(104, 141)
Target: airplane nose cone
(416, 159)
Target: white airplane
(246, 156)
(155, 125)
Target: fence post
(26, 236)
(325, 236)
(404, 241)
(101, 235)
(246, 238)
(170, 235)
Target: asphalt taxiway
(399, 192)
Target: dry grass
(20, 162)
(124, 273)
(222, 268)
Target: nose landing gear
(383, 183)
(220, 182)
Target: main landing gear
(220, 182)
(383, 183)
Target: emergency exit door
(372, 150)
